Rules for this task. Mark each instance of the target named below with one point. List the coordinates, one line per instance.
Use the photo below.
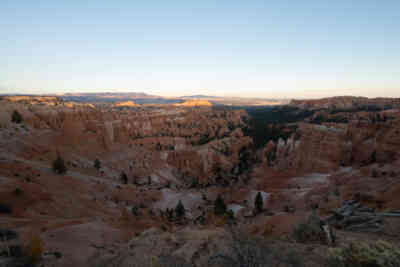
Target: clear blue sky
(239, 48)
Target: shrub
(57, 254)
(230, 215)
(59, 165)
(309, 231)
(97, 164)
(16, 117)
(268, 230)
(18, 191)
(6, 234)
(259, 203)
(123, 178)
(33, 251)
(179, 210)
(247, 251)
(151, 212)
(135, 211)
(289, 208)
(170, 214)
(172, 261)
(373, 157)
(378, 254)
(5, 208)
(219, 206)
(195, 183)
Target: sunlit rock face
(194, 103)
(125, 104)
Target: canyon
(304, 158)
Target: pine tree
(170, 214)
(16, 117)
(124, 178)
(180, 210)
(97, 164)
(230, 215)
(258, 203)
(219, 206)
(59, 165)
(373, 157)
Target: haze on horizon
(280, 49)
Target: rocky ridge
(189, 154)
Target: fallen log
(387, 214)
(354, 217)
(359, 219)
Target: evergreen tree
(373, 157)
(180, 210)
(219, 206)
(97, 164)
(170, 214)
(16, 117)
(230, 215)
(59, 165)
(258, 203)
(124, 178)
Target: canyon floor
(327, 173)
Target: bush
(18, 191)
(135, 211)
(230, 215)
(309, 231)
(247, 251)
(124, 178)
(33, 251)
(242, 250)
(59, 165)
(7, 234)
(259, 203)
(16, 117)
(97, 164)
(170, 214)
(219, 206)
(180, 210)
(378, 254)
(57, 254)
(5, 208)
(171, 261)
(124, 259)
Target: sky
(247, 48)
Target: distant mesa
(129, 103)
(346, 102)
(199, 97)
(76, 104)
(193, 103)
(28, 98)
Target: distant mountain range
(138, 98)
(199, 97)
(144, 98)
(111, 95)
